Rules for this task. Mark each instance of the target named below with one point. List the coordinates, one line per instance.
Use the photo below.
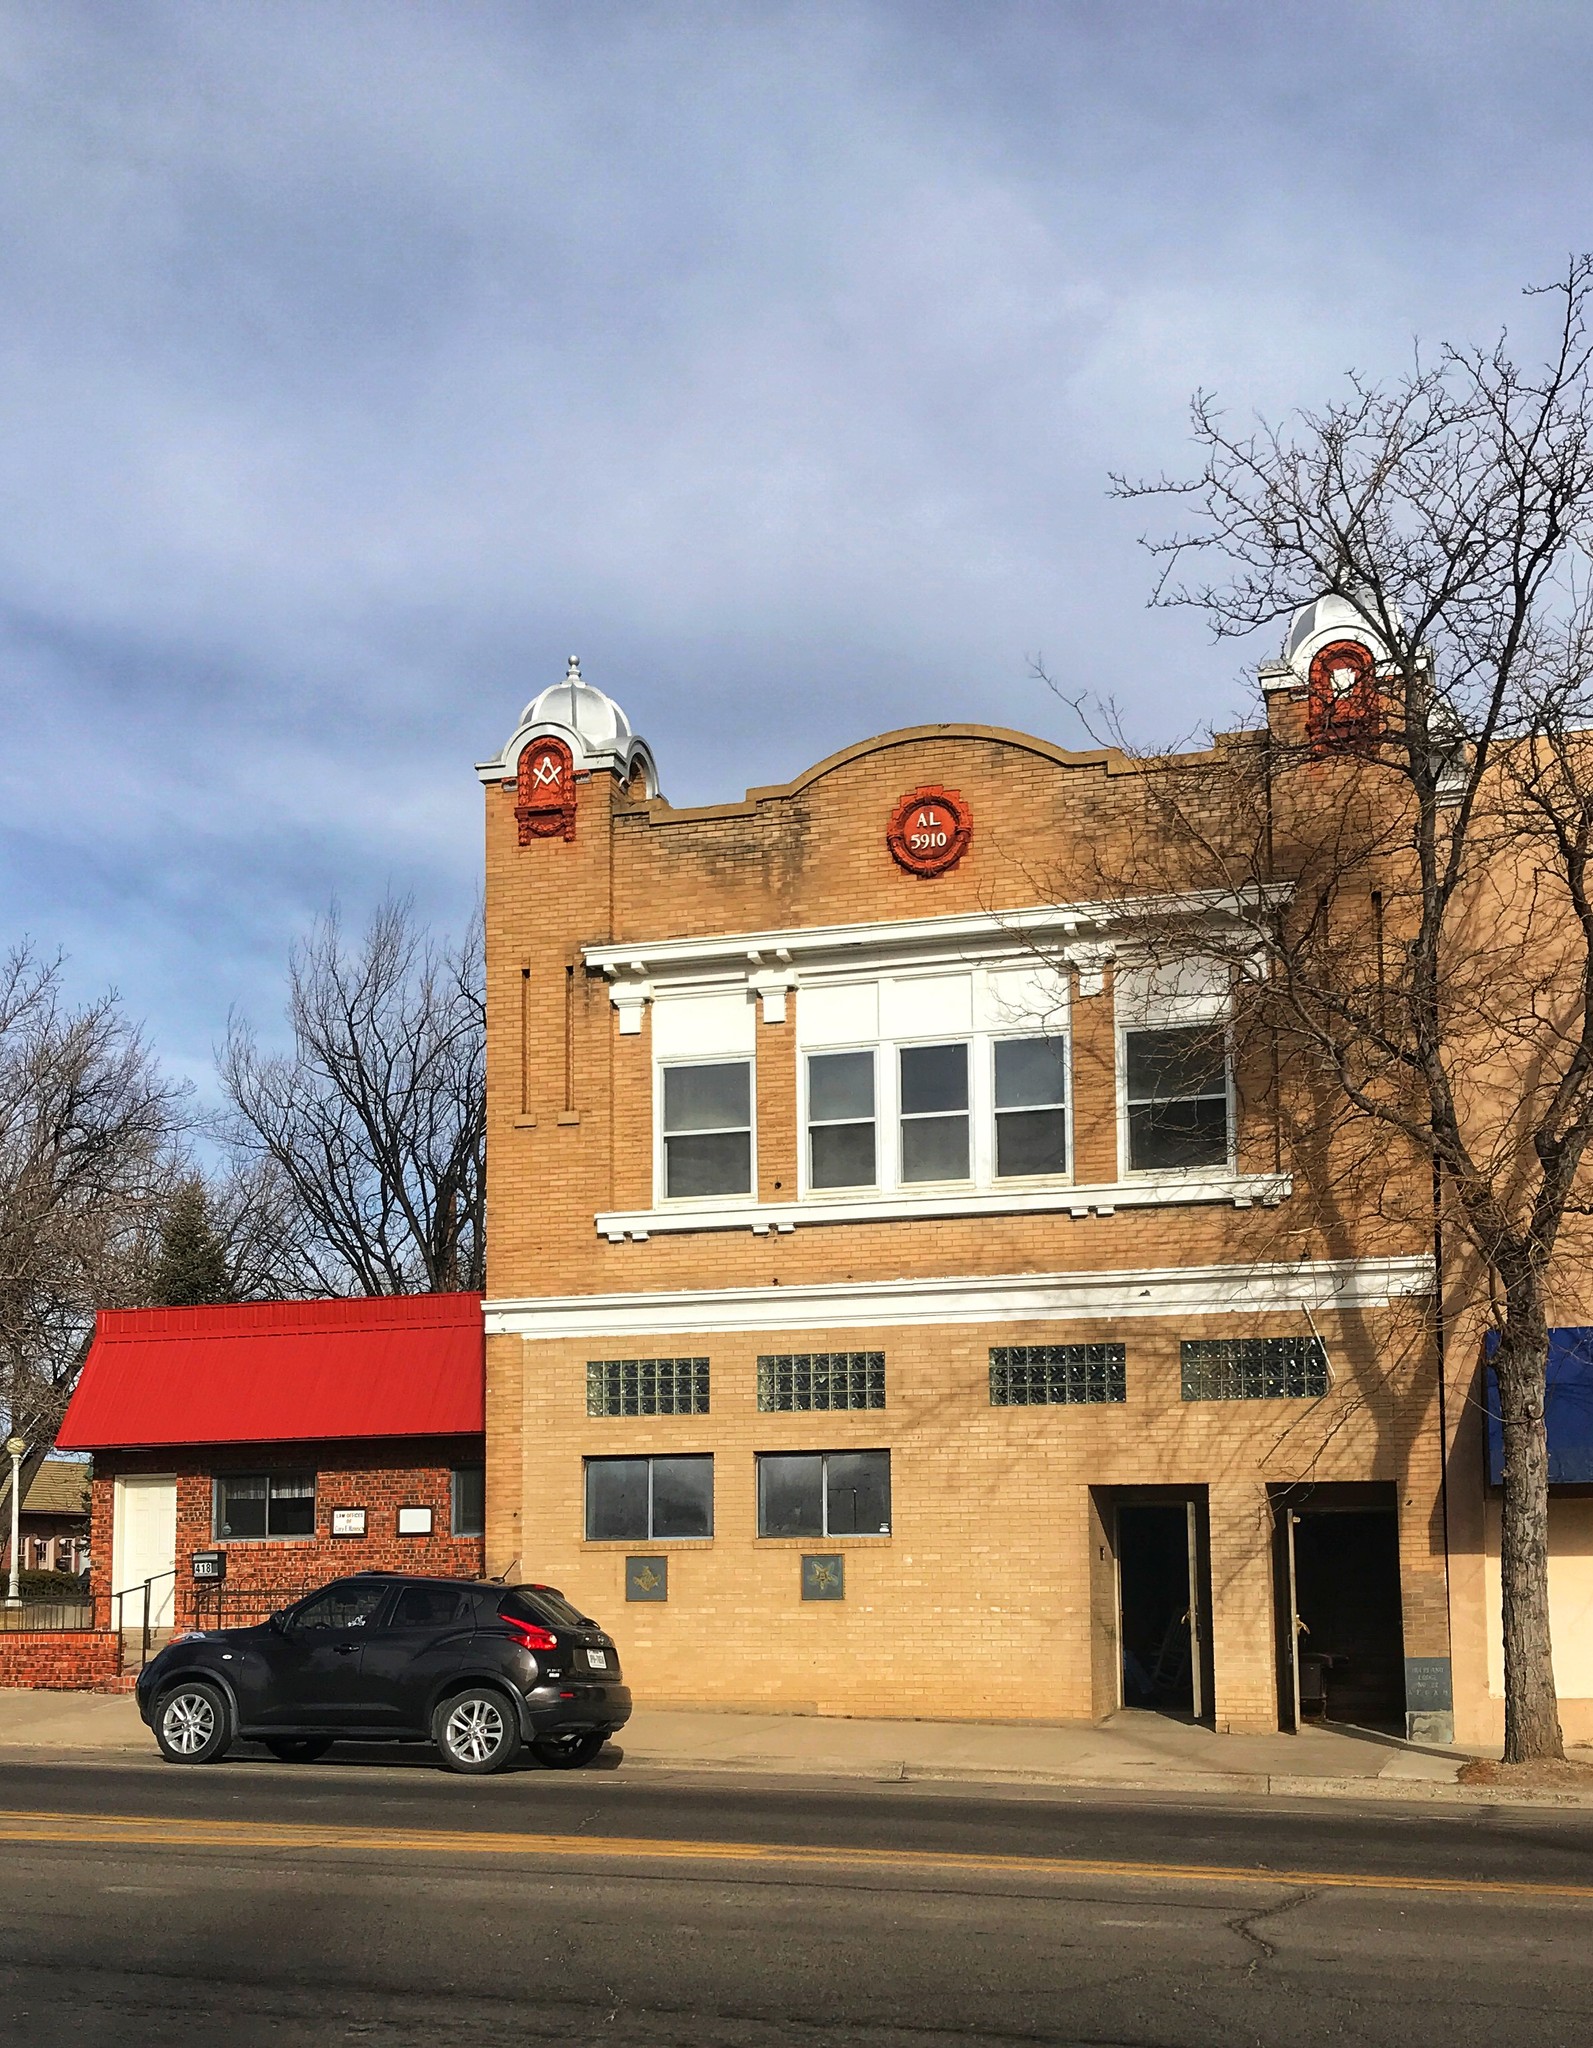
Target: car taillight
(528, 1635)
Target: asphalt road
(384, 1902)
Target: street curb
(1243, 1784)
(1253, 1784)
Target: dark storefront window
(824, 1493)
(264, 1504)
(639, 1500)
(469, 1500)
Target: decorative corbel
(771, 984)
(630, 992)
(1091, 958)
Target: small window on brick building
(1254, 1369)
(1177, 1097)
(264, 1504)
(821, 1379)
(647, 1386)
(707, 1113)
(641, 1500)
(1031, 1106)
(469, 1494)
(934, 1112)
(1043, 1375)
(824, 1493)
(841, 1138)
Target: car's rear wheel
(568, 1752)
(298, 1749)
(476, 1731)
(193, 1723)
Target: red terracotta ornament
(545, 792)
(929, 831)
(1342, 713)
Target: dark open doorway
(1162, 1575)
(1341, 1632)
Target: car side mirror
(279, 1621)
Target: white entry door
(144, 1546)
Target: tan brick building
(895, 1304)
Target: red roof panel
(281, 1372)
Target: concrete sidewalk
(1132, 1751)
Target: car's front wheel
(299, 1749)
(568, 1752)
(193, 1723)
(476, 1731)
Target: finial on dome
(597, 729)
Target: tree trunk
(1532, 1720)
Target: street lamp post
(14, 1449)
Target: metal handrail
(119, 1599)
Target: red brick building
(279, 1444)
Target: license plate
(597, 1660)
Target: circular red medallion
(929, 831)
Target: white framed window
(934, 1110)
(843, 1147)
(1175, 1098)
(705, 1124)
(1031, 1106)
(934, 1080)
(1174, 1071)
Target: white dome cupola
(593, 726)
(1324, 622)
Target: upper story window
(1031, 1106)
(1175, 1087)
(934, 1112)
(1177, 1097)
(707, 1129)
(934, 1080)
(842, 1152)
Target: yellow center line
(158, 1832)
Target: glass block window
(821, 1379)
(1254, 1369)
(1039, 1375)
(647, 1386)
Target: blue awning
(1568, 1410)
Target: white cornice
(1243, 1190)
(967, 935)
(999, 1299)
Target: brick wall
(379, 1476)
(59, 1660)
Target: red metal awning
(281, 1372)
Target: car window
(349, 1605)
(545, 1604)
(428, 1607)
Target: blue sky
(362, 361)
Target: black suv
(476, 1669)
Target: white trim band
(1243, 1190)
(1323, 1284)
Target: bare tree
(1412, 890)
(89, 1132)
(365, 1144)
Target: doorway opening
(1341, 1632)
(1163, 1580)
